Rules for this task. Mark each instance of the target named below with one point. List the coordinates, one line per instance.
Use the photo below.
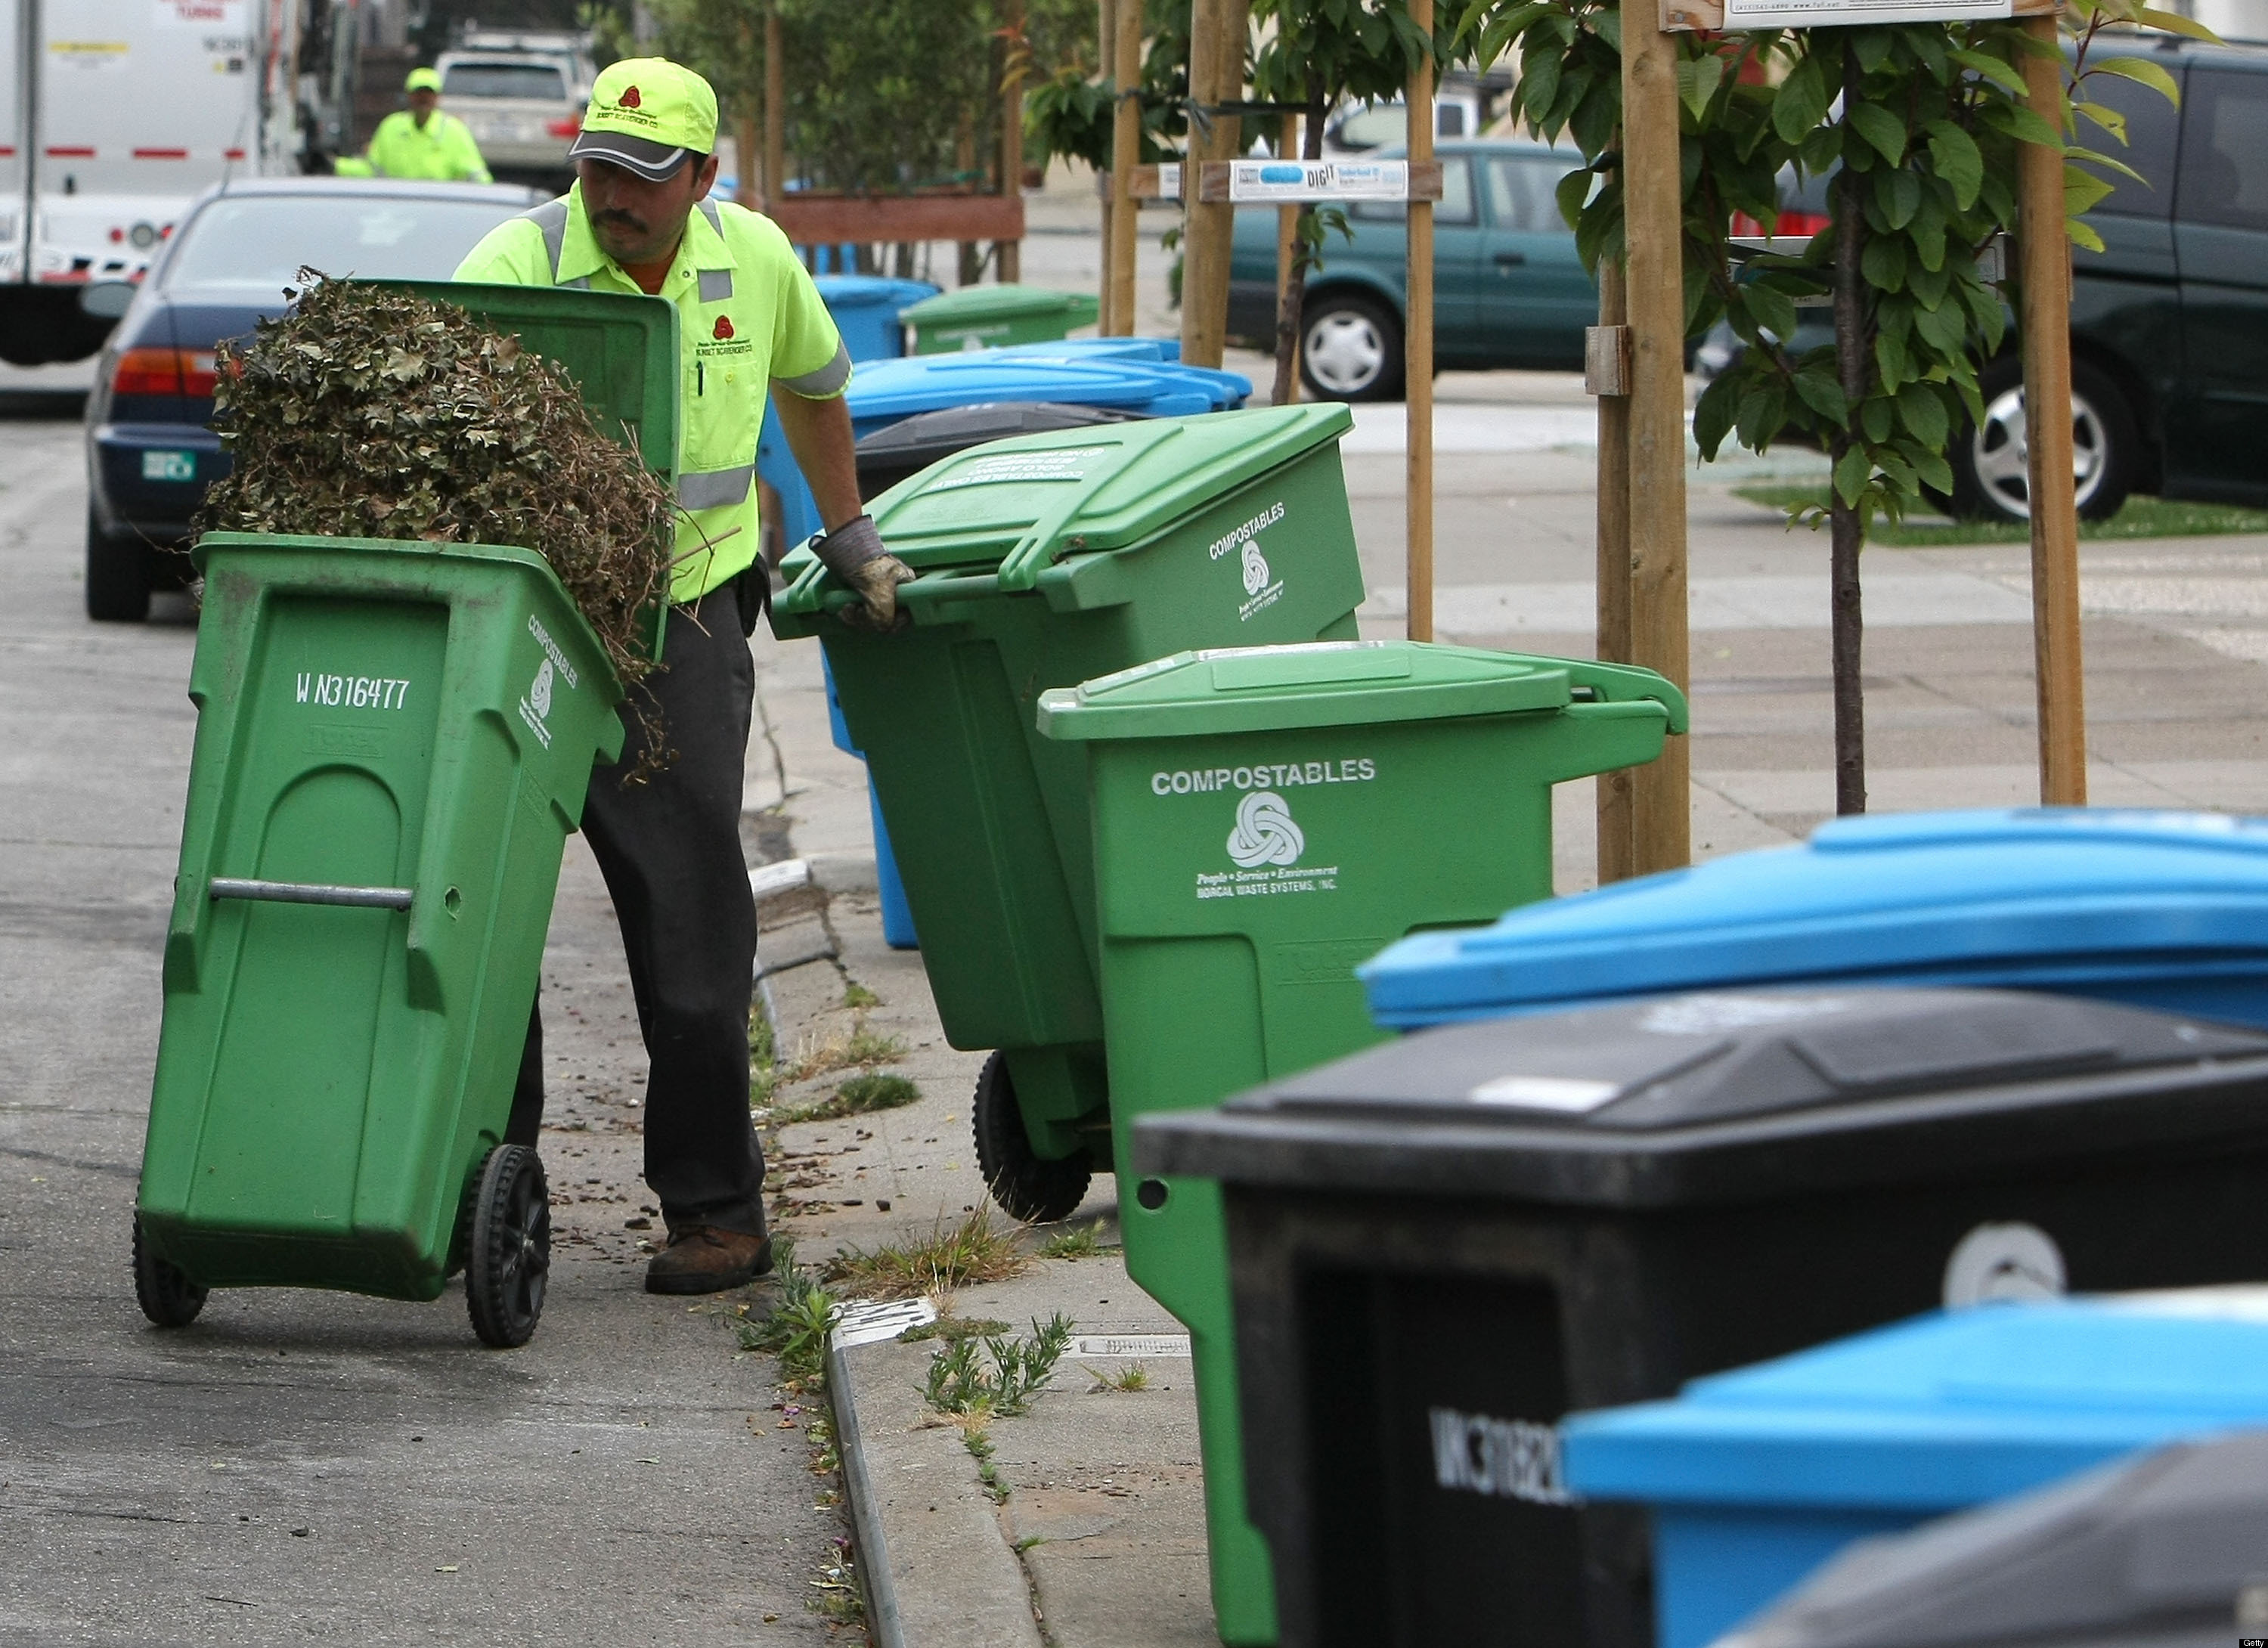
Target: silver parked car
(523, 105)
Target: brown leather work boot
(701, 1259)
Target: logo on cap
(724, 327)
(628, 99)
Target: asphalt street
(303, 1465)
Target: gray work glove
(854, 553)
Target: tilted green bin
(1044, 561)
(988, 317)
(393, 740)
(1266, 820)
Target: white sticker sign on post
(1292, 182)
(1779, 14)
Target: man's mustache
(622, 218)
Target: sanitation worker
(638, 219)
(423, 142)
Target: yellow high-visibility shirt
(442, 149)
(747, 314)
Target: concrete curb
(937, 1568)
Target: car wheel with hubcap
(1351, 348)
(1991, 478)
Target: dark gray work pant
(670, 851)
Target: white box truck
(114, 116)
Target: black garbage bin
(1441, 1246)
(904, 449)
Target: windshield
(262, 242)
(536, 82)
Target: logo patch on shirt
(724, 328)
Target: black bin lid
(916, 442)
(2154, 1552)
(1733, 1096)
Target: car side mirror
(107, 300)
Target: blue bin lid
(888, 390)
(2050, 898)
(865, 292)
(1946, 1410)
(1150, 348)
(1227, 390)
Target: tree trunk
(1294, 296)
(1846, 528)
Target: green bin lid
(1313, 684)
(1025, 502)
(966, 304)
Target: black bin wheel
(162, 1288)
(1026, 1185)
(508, 1247)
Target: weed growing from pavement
(764, 1061)
(855, 1097)
(959, 1381)
(973, 1251)
(979, 1443)
(2137, 518)
(839, 1601)
(1083, 1241)
(857, 995)
(953, 1329)
(795, 1331)
(1132, 1377)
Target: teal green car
(1508, 290)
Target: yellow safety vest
(748, 314)
(441, 151)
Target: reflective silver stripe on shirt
(551, 218)
(828, 381)
(713, 489)
(715, 218)
(716, 285)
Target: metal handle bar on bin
(311, 892)
(1626, 683)
(928, 593)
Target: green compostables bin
(987, 317)
(1044, 561)
(394, 739)
(1265, 819)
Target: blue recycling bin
(1754, 1478)
(2153, 910)
(897, 916)
(1150, 348)
(866, 308)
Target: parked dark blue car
(151, 452)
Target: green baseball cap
(646, 114)
(422, 80)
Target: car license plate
(169, 466)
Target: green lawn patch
(2138, 518)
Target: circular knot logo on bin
(539, 694)
(551, 668)
(1255, 569)
(1264, 832)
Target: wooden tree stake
(1616, 791)
(1218, 32)
(2046, 302)
(1652, 211)
(1125, 153)
(1418, 345)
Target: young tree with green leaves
(1919, 125)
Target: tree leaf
(1880, 128)
(2022, 122)
(1802, 101)
(1851, 471)
(1772, 310)
(1877, 418)
(2082, 233)
(1993, 69)
(1697, 79)
(1883, 262)
(1921, 408)
(1959, 161)
(2175, 23)
(2082, 190)
(1819, 391)
(1713, 414)
(1572, 191)
(2104, 115)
